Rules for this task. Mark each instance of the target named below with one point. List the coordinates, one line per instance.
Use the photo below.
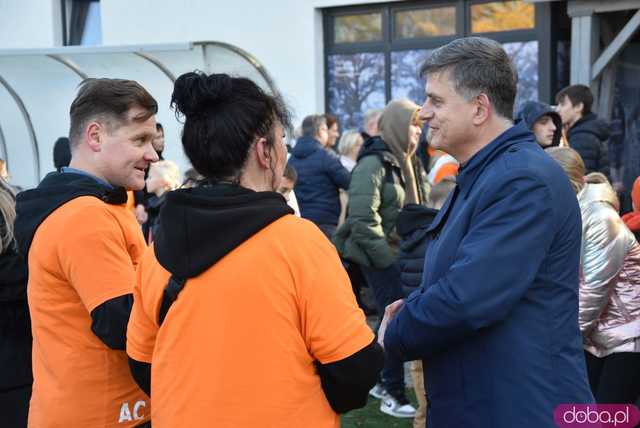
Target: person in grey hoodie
(386, 177)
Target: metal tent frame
(38, 85)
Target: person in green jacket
(386, 177)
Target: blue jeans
(387, 289)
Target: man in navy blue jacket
(320, 175)
(496, 318)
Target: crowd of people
(488, 251)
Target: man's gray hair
(311, 125)
(477, 65)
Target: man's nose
(425, 114)
(150, 154)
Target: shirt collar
(68, 169)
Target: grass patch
(370, 416)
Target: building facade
(339, 56)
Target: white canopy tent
(37, 87)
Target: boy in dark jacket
(587, 134)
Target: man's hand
(389, 312)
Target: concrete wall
(30, 23)
(284, 35)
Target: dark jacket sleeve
(603, 158)
(411, 258)
(592, 151)
(346, 383)
(338, 173)
(110, 319)
(141, 373)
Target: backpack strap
(391, 175)
(169, 295)
(392, 172)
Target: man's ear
(580, 107)
(94, 136)
(263, 153)
(483, 109)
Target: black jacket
(320, 177)
(412, 225)
(215, 219)
(15, 324)
(153, 204)
(588, 136)
(109, 320)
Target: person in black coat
(320, 175)
(163, 177)
(587, 134)
(15, 324)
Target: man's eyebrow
(141, 134)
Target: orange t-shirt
(237, 348)
(82, 255)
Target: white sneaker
(378, 391)
(399, 408)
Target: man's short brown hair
(577, 94)
(108, 100)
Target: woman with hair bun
(242, 311)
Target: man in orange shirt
(83, 245)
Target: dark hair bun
(195, 93)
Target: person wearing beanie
(632, 219)
(543, 121)
(384, 179)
